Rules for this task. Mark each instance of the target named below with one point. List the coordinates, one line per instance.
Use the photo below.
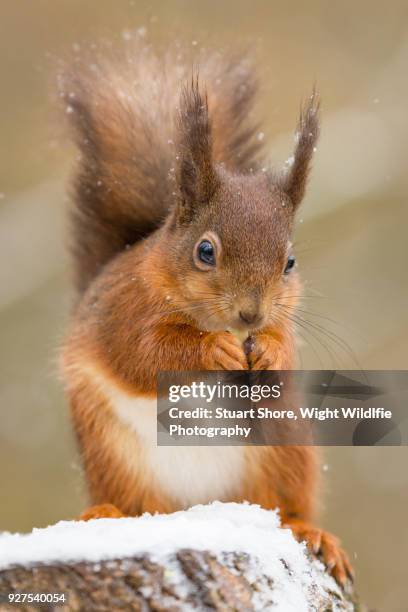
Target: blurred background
(351, 237)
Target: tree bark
(188, 580)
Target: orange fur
(149, 307)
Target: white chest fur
(190, 474)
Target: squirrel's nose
(249, 317)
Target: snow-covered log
(221, 556)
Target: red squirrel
(181, 241)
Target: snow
(218, 527)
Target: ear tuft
(307, 134)
(196, 176)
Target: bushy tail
(123, 113)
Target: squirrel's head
(229, 237)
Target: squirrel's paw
(262, 354)
(222, 351)
(326, 546)
(101, 511)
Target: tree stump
(167, 577)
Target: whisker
(330, 335)
(304, 325)
(283, 319)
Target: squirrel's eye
(290, 264)
(206, 253)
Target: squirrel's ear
(196, 177)
(295, 178)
